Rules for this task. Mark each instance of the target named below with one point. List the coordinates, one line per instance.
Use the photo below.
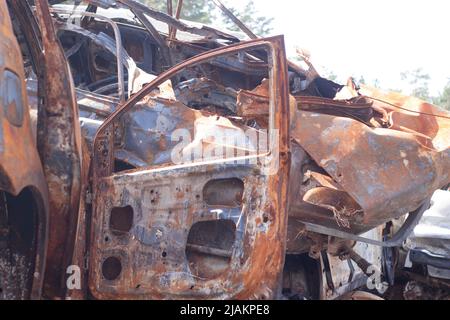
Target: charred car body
(173, 161)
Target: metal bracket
(396, 240)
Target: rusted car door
(59, 145)
(212, 229)
(23, 188)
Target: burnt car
(177, 161)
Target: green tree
(193, 10)
(362, 80)
(258, 24)
(418, 80)
(155, 4)
(204, 11)
(443, 100)
(330, 75)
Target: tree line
(204, 11)
(418, 82)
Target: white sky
(376, 39)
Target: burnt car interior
(18, 236)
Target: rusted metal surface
(141, 226)
(59, 144)
(381, 141)
(149, 260)
(81, 243)
(342, 277)
(413, 147)
(23, 189)
(173, 31)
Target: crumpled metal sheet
(429, 124)
(387, 171)
(151, 126)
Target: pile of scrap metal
(115, 180)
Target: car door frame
(268, 251)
